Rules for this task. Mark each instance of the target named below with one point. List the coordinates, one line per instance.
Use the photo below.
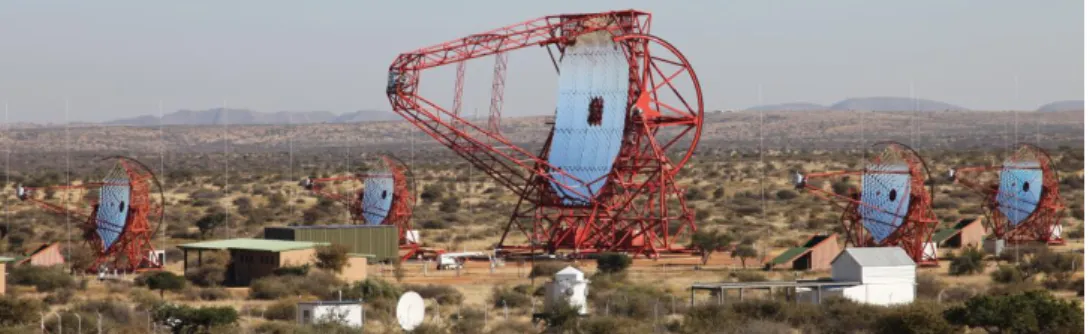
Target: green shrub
(16, 311)
(372, 289)
(1008, 274)
(970, 261)
(1027, 312)
(612, 262)
(59, 296)
(185, 319)
(443, 294)
(547, 269)
(512, 299)
(283, 309)
(914, 318)
(292, 270)
(45, 279)
(160, 280)
(144, 299)
(332, 258)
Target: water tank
(568, 284)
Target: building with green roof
(251, 259)
(4, 273)
(968, 232)
(816, 253)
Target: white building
(569, 284)
(878, 276)
(349, 312)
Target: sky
(115, 59)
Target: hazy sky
(116, 59)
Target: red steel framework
(1040, 224)
(641, 209)
(401, 209)
(914, 234)
(133, 247)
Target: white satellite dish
(410, 310)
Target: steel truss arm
(506, 162)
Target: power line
(67, 182)
(226, 163)
(7, 169)
(162, 176)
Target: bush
(914, 318)
(929, 286)
(185, 319)
(275, 287)
(372, 289)
(612, 262)
(970, 261)
(1027, 312)
(59, 296)
(443, 294)
(510, 298)
(283, 309)
(1046, 261)
(45, 279)
(292, 270)
(469, 321)
(785, 195)
(547, 269)
(160, 280)
(16, 311)
(144, 299)
(332, 258)
(1008, 274)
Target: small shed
(46, 255)
(968, 232)
(4, 274)
(815, 254)
(887, 275)
(348, 312)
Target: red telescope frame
(640, 209)
(1040, 224)
(401, 209)
(919, 223)
(132, 248)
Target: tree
(613, 262)
(744, 251)
(1027, 312)
(332, 258)
(80, 258)
(210, 222)
(162, 281)
(970, 261)
(709, 241)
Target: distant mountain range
(793, 106)
(1068, 105)
(246, 116)
(878, 103)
